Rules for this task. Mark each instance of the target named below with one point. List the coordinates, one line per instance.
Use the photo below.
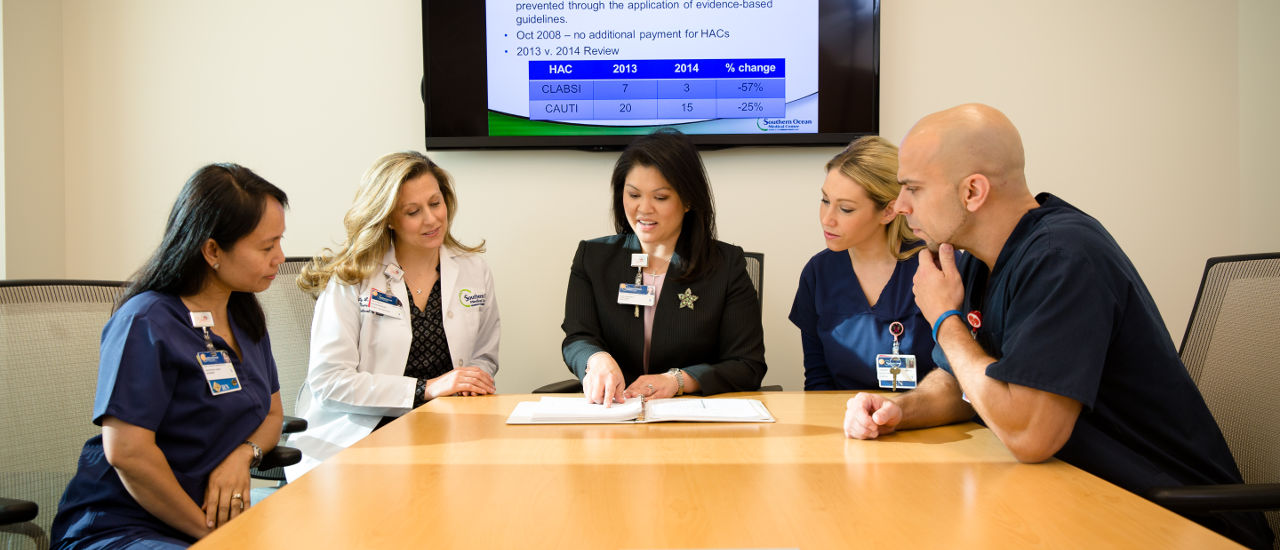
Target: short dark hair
(223, 202)
(674, 156)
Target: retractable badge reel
(974, 318)
(218, 370)
(637, 294)
(896, 371)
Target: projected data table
(657, 89)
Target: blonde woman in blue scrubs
(851, 294)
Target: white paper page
(704, 409)
(577, 409)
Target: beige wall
(3, 257)
(1259, 121)
(1125, 107)
(34, 218)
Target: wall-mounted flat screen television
(595, 73)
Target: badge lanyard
(219, 373)
(894, 370)
(640, 261)
(638, 294)
(386, 303)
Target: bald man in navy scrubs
(1070, 358)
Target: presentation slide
(703, 66)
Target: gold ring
(237, 496)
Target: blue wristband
(938, 324)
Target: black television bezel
(458, 39)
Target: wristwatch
(678, 375)
(257, 453)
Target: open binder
(576, 410)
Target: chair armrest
(293, 425)
(17, 511)
(274, 474)
(564, 386)
(280, 457)
(1191, 499)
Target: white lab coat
(356, 372)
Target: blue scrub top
(1064, 311)
(842, 334)
(148, 377)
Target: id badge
(218, 372)
(385, 304)
(637, 295)
(896, 372)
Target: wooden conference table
(451, 474)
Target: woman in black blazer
(704, 333)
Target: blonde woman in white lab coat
(405, 312)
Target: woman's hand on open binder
(604, 382)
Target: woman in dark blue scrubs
(188, 397)
(852, 293)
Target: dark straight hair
(223, 202)
(674, 156)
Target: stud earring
(216, 266)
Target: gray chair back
(755, 270)
(1232, 351)
(289, 311)
(49, 337)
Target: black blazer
(720, 342)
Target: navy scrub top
(842, 334)
(148, 377)
(1064, 311)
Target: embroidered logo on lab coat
(470, 299)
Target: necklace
(416, 289)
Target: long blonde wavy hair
(872, 162)
(368, 235)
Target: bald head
(962, 180)
(969, 139)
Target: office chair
(755, 270)
(1231, 351)
(15, 523)
(288, 310)
(49, 337)
(17, 511)
(50, 334)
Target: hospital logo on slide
(470, 299)
(784, 124)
